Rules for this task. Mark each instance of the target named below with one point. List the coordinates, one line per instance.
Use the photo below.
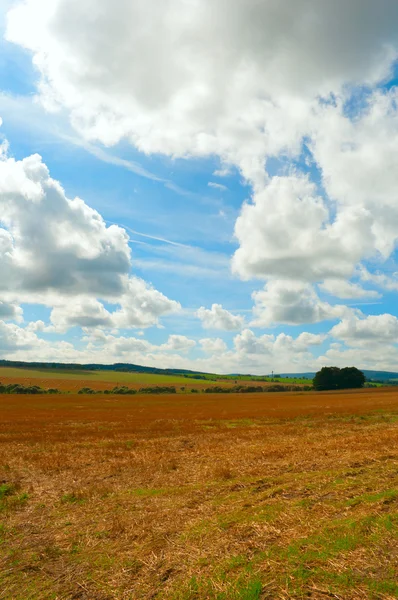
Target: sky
(199, 184)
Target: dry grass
(218, 497)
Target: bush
(278, 388)
(158, 390)
(18, 388)
(124, 390)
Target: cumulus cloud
(83, 312)
(249, 353)
(242, 80)
(213, 345)
(231, 78)
(346, 289)
(364, 357)
(285, 232)
(13, 337)
(178, 343)
(248, 343)
(356, 158)
(59, 251)
(288, 230)
(18, 343)
(49, 242)
(219, 318)
(142, 305)
(381, 280)
(9, 311)
(372, 329)
(293, 303)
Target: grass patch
(386, 497)
(73, 498)
(241, 589)
(147, 492)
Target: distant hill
(122, 367)
(370, 375)
(383, 376)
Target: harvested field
(193, 497)
(73, 381)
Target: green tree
(333, 378)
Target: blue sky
(256, 210)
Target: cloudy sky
(205, 184)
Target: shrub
(18, 388)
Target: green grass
(261, 378)
(146, 492)
(241, 589)
(87, 376)
(123, 378)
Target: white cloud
(346, 289)
(13, 337)
(247, 343)
(364, 357)
(213, 345)
(17, 343)
(35, 326)
(249, 354)
(142, 305)
(224, 171)
(373, 329)
(356, 157)
(9, 311)
(293, 303)
(82, 312)
(243, 81)
(231, 79)
(53, 243)
(217, 186)
(284, 233)
(178, 343)
(59, 252)
(381, 280)
(219, 318)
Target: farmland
(97, 380)
(74, 380)
(201, 496)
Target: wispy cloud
(27, 113)
(152, 237)
(217, 186)
(183, 269)
(111, 159)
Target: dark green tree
(351, 378)
(333, 378)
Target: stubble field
(202, 496)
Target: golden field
(199, 496)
